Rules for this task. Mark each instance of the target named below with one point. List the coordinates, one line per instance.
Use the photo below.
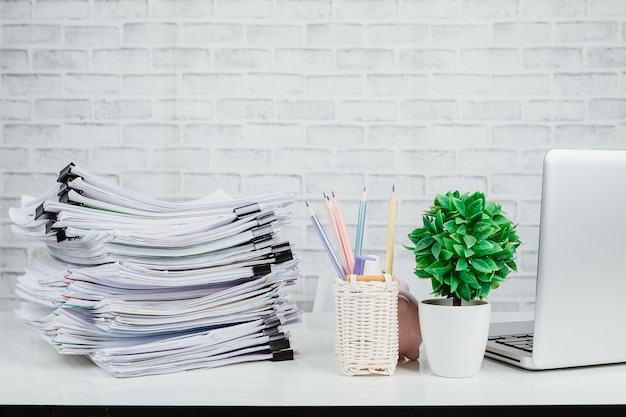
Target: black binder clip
(64, 196)
(282, 355)
(247, 209)
(63, 189)
(271, 321)
(261, 242)
(271, 331)
(39, 211)
(61, 236)
(265, 219)
(279, 344)
(260, 231)
(66, 174)
(50, 223)
(278, 336)
(281, 246)
(261, 270)
(282, 256)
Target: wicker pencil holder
(366, 310)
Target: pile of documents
(144, 286)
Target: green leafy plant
(466, 246)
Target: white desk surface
(33, 373)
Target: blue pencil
(360, 225)
(325, 242)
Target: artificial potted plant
(466, 247)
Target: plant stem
(456, 301)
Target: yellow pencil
(391, 230)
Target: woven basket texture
(366, 325)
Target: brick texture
(176, 98)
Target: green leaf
(421, 273)
(450, 226)
(511, 264)
(446, 254)
(436, 286)
(497, 278)
(437, 278)
(480, 265)
(493, 209)
(424, 243)
(467, 276)
(439, 271)
(491, 264)
(469, 240)
(474, 218)
(474, 285)
(483, 277)
(459, 205)
(504, 254)
(475, 207)
(468, 252)
(429, 225)
(462, 251)
(458, 238)
(439, 237)
(423, 262)
(439, 221)
(417, 234)
(482, 229)
(484, 246)
(461, 264)
(484, 289)
(436, 249)
(464, 292)
(449, 244)
(454, 284)
(443, 201)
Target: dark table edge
(318, 411)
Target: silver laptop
(580, 308)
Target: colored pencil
(333, 225)
(325, 242)
(360, 229)
(343, 234)
(391, 224)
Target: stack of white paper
(144, 286)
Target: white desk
(33, 373)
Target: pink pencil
(343, 235)
(333, 225)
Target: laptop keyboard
(518, 341)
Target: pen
(391, 230)
(325, 242)
(358, 248)
(343, 234)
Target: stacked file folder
(144, 286)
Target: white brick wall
(179, 97)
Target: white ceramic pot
(454, 338)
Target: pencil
(343, 234)
(325, 242)
(358, 247)
(391, 230)
(333, 226)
